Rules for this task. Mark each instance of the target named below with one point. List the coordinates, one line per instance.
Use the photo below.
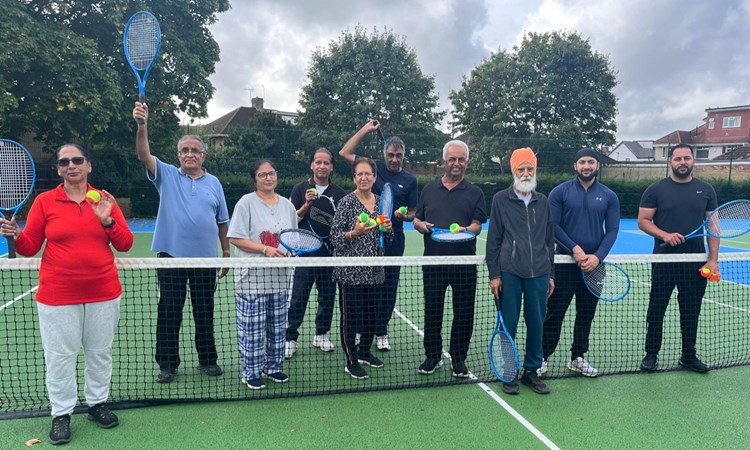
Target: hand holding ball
(93, 196)
(403, 210)
(455, 228)
(705, 272)
(371, 223)
(364, 218)
(714, 277)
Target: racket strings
(16, 175)
(386, 200)
(299, 240)
(607, 282)
(447, 236)
(730, 220)
(504, 356)
(143, 40)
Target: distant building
(724, 129)
(218, 130)
(633, 151)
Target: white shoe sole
(324, 347)
(425, 372)
(346, 369)
(577, 370)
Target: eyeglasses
(77, 160)
(269, 174)
(364, 175)
(189, 150)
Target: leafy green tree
(370, 75)
(553, 92)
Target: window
(711, 123)
(732, 122)
(664, 152)
(701, 153)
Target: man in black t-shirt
(670, 209)
(315, 199)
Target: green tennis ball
(93, 196)
(383, 228)
(403, 210)
(314, 191)
(364, 218)
(455, 228)
(371, 223)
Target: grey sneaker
(532, 380)
(60, 432)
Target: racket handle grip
(11, 247)
(141, 99)
(498, 301)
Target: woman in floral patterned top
(358, 286)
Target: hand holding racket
(141, 41)
(504, 358)
(730, 220)
(608, 281)
(17, 178)
(299, 241)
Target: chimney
(257, 103)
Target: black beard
(682, 176)
(586, 179)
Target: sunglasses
(77, 160)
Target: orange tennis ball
(93, 196)
(705, 272)
(381, 219)
(714, 277)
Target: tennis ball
(714, 277)
(93, 196)
(705, 272)
(371, 223)
(403, 210)
(455, 228)
(383, 228)
(314, 191)
(364, 218)
(381, 219)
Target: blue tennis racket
(386, 209)
(141, 41)
(609, 282)
(299, 241)
(17, 178)
(730, 220)
(504, 357)
(448, 236)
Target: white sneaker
(289, 348)
(583, 367)
(322, 342)
(542, 370)
(383, 344)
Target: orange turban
(520, 156)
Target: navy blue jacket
(586, 217)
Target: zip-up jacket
(521, 238)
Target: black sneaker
(370, 360)
(356, 371)
(510, 388)
(694, 364)
(649, 363)
(430, 365)
(459, 368)
(103, 416)
(166, 376)
(531, 379)
(276, 377)
(212, 370)
(60, 432)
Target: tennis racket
(730, 220)
(141, 41)
(448, 236)
(299, 242)
(504, 357)
(17, 177)
(386, 209)
(320, 217)
(608, 282)
(379, 132)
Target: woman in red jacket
(78, 300)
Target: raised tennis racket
(379, 132)
(504, 358)
(141, 41)
(448, 236)
(299, 242)
(608, 282)
(17, 177)
(386, 209)
(730, 220)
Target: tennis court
(663, 410)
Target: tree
(375, 75)
(553, 93)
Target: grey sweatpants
(65, 329)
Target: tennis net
(616, 341)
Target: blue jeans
(534, 291)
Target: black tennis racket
(141, 41)
(386, 209)
(320, 217)
(383, 140)
(609, 282)
(730, 220)
(504, 358)
(452, 237)
(17, 178)
(299, 242)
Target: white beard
(524, 185)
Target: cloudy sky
(674, 58)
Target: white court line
(522, 420)
(9, 303)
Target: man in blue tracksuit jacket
(586, 215)
(520, 260)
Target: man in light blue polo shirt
(192, 213)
